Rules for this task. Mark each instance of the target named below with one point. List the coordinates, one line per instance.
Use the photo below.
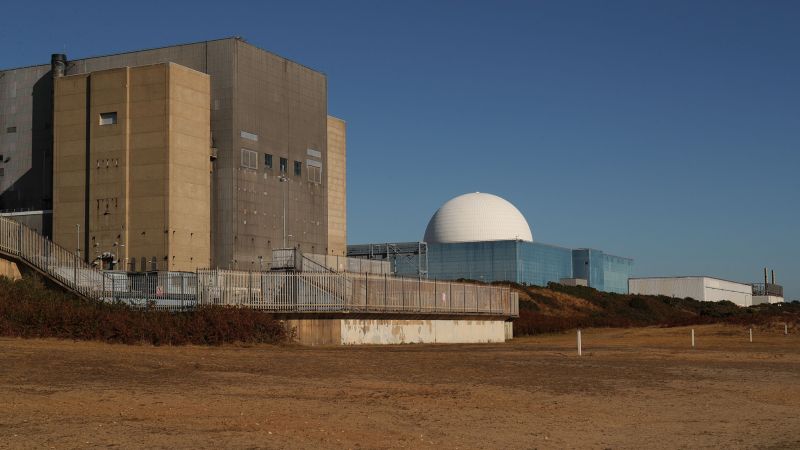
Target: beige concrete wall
(149, 174)
(395, 331)
(69, 161)
(9, 269)
(316, 331)
(509, 330)
(337, 187)
(148, 166)
(189, 220)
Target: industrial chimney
(58, 64)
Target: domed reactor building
(483, 237)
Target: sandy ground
(631, 389)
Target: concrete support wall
(398, 331)
(9, 270)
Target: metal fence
(173, 291)
(337, 292)
(308, 291)
(346, 264)
(273, 291)
(56, 262)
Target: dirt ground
(631, 389)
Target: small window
(298, 166)
(2, 171)
(267, 161)
(11, 130)
(249, 159)
(284, 165)
(2, 160)
(108, 118)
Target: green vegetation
(557, 308)
(29, 308)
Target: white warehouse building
(699, 288)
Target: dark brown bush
(28, 308)
(540, 311)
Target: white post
(692, 337)
(580, 351)
(751, 335)
(785, 329)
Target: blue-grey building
(483, 237)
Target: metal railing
(341, 292)
(53, 260)
(352, 265)
(307, 291)
(172, 291)
(774, 290)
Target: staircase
(26, 246)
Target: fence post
(366, 291)
(580, 349)
(751, 334)
(419, 292)
(785, 329)
(183, 281)
(692, 337)
(450, 298)
(385, 293)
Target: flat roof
(688, 276)
(238, 38)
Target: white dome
(477, 217)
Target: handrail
(308, 291)
(56, 262)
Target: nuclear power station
(209, 154)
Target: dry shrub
(558, 308)
(28, 309)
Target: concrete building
(270, 183)
(131, 159)
(701, 288)
(484, 237)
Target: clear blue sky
(665, 131)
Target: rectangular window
(267, 161)
(108, 118)
(249, 159)
(298, 166)
(314, 169)
(284, 164)
(2, 172)
(11, 130)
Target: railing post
(385, 294)
(450, 298)
(419, 293)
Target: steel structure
(407, 258)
